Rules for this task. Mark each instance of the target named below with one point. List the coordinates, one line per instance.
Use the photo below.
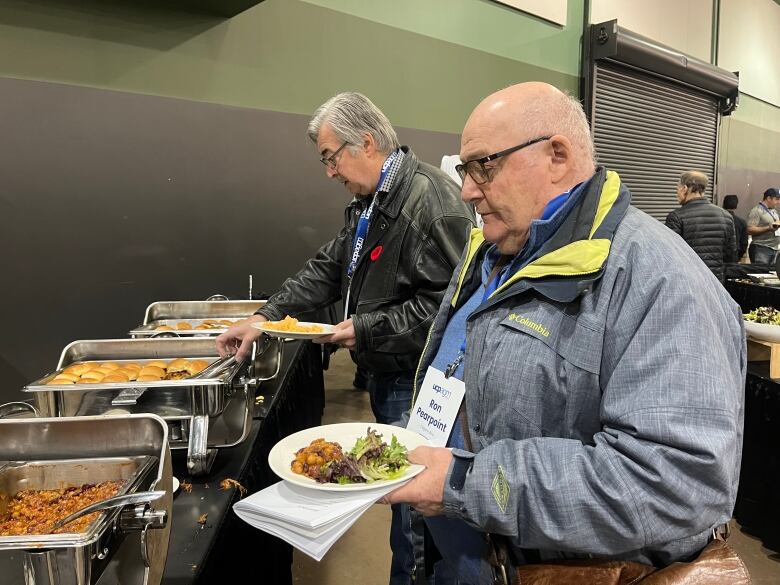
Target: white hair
(352, 115)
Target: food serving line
(211, 428)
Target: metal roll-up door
(651, 130)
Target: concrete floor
(362, 555)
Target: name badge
(436, 408)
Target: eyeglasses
(331, 161)
(477, 170)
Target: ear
(561, 157)
(369, 145)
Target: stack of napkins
(310, 520)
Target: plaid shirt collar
(387, 183)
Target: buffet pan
(210, 410)
(167, 317)
(127, 544)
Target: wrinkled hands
(343, 335)
(238, 338)
(425, 492)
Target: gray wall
(112, 200)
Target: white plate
(345, 434)
(762, 331)
(326, 330)
(175, 487)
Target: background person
(762, 225)
(705, 227)
(730, 204)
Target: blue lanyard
(365, 218)
(491, 287)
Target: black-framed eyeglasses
(331, 161)
(476, 168)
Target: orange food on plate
(292, 325)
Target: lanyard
(362, 228)
(491, 287)
(772, 212)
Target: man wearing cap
(763, 223)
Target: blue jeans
(763, 255)
(391, 396)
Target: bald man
(601, 371)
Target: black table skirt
(225, 548)
(752, 296)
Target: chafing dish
(210, 410)
(171, 313)
(125, 544)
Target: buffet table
(224, 547)
(758, 500)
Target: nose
(330, 171)
(470, 192)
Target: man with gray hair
(390, 264)
(708, 229)
(597, 374)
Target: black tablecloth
(758, 499)
(752, 296)
(225, 548)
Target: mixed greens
(371, 459)
(764, 315)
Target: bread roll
(79, 369)
(131, 366)
(148, 378)
(110, 366)
(130, 373)
(93, 375)
(64, 376)
(115, 376)
(196, 366)
(157, 364)
(183, 325)
(163, 328)
(151, 371)
(60, 380)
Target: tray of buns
(113, 364)
(193, 318)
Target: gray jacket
(604, 391)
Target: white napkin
(311, 520)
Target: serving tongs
(112, 502)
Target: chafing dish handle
(217, 297)
(255, 380)
(11, 408)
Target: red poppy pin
(375, 253)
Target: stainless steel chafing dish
(205, 412)
(125, 544)
(172, 313)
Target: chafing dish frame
(137, 442)
(173, 312)
(204, 413)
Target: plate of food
(291, 328)
(763, 323)
(347, 456)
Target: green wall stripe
(481, 24)
(282, 55)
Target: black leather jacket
(709, 230)
(417, 233)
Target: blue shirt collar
(542, 229)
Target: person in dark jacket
(403, 235)
(706, 228)
(730, 203)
